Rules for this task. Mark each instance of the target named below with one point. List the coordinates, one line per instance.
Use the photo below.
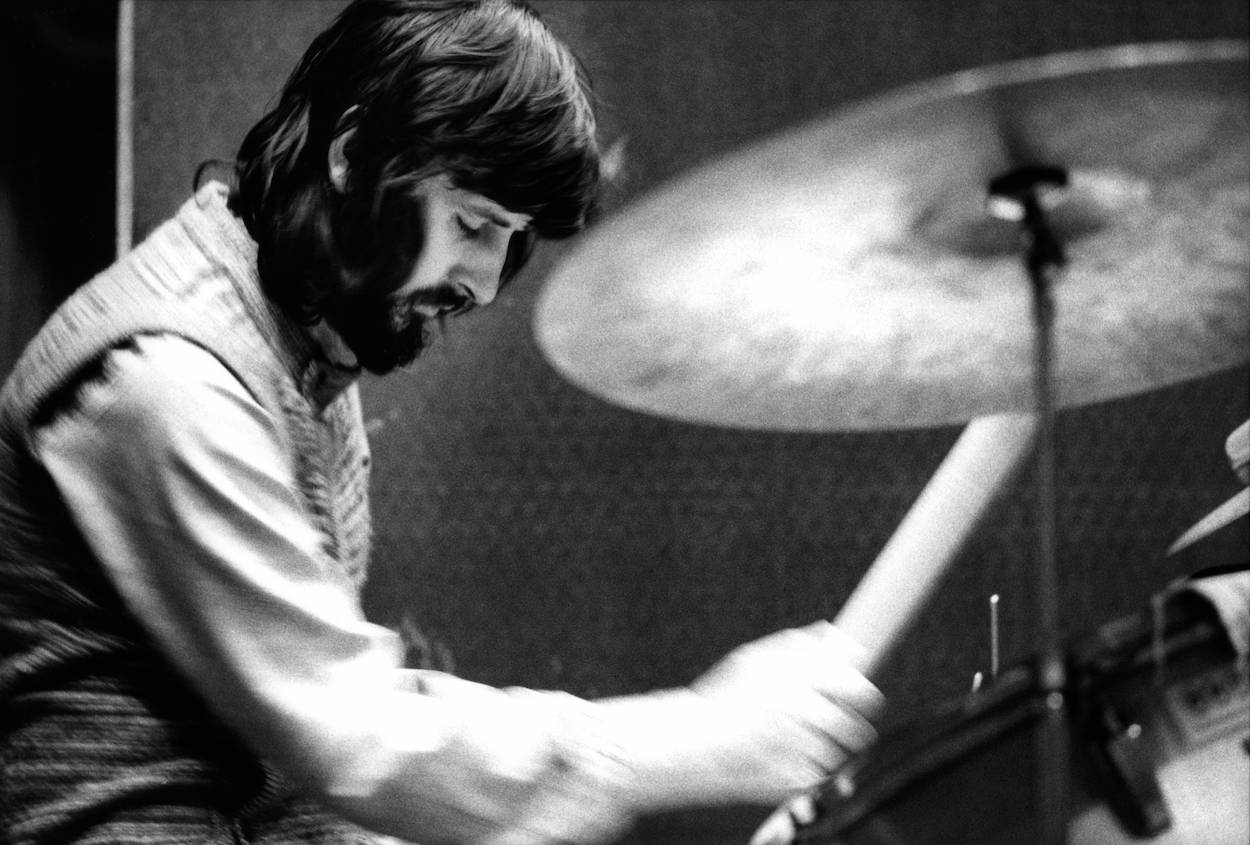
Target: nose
(481, 285)
(473, 273)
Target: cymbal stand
(1019, 196)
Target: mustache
(448, 299)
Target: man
(183, 516)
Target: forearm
(187, 500)
(179, 485)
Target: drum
(1158, 744)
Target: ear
(336, 160)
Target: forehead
(441, 188)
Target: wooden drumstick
(921, 550)
(933, 533)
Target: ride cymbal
(846, 275)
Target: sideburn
(378, 244)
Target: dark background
(535, 535)
(58, 84)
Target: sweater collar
(318, 367)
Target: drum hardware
(1201, 707)
(1197, 689)
(1127, 768)
(844, 274)
(1017, 195)
(1233, 509)
(978, 678)
(1237, 447)
(994, 657)
(1124, 730)
(847, 276)
(929, 750)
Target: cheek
(517, 254)
(490, 258)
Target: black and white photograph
(625, 422)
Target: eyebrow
(520, 222)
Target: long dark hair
(479, 89)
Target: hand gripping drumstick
(932, 534)
(921, 550)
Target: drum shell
(966, 771)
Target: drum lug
(1128, 769)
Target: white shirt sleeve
(176, 478)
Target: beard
(382, 328)
(382, 332)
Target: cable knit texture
(100, 739)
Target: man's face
(464, 239)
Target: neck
(332, 346)
(337, 367)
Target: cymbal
(846, 275)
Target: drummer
(183, 477)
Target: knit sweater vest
(101, 740)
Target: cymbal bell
(846, 274)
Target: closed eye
(469, 229)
